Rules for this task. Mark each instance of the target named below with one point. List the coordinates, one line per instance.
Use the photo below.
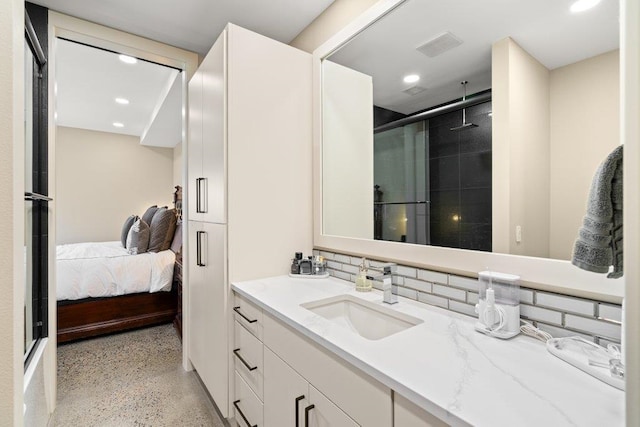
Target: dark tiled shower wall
(460, 179)
(560, 315)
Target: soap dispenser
(362, 283)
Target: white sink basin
(369, 320)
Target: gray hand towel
(599, 243)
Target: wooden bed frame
(98, 316)
(114, 314)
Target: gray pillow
(176, 243)
(162, 227)
(125, 229)
(138, 238)
(147, 216)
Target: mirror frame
(537, 273)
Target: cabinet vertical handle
(199, 262)
(298, 399)
(198, 203)
(201, 197)
(244, 362)
(306, 414)
(235, 405)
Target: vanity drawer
(248, 315)
(247, 407)
(247, 355)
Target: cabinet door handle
(235, 405)
(306, 414)
(199, 262)
(198, 203)
(244, 362)
(201, 197)
(298, 399)
(237, 310)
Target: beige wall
(102, 178)
(332, 20)
(11, 211)
(585, 128)
(520, 151)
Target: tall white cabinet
(249, 191)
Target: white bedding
(91, 270)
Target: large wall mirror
(502, 163)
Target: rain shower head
(464, 124)
(463, 127)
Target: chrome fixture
(386, 278)
(464, 124)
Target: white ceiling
(545, 28)
(195, 24)
(88, 80)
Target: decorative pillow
(138, 238)
(125, 229)
(163, 226)
(149, 213)
(176, 243)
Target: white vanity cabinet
(249, 155)
(408, 414)
(289, 400)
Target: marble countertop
(444, 366)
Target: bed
(101, 288)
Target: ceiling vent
(414, 90)
(439, 44)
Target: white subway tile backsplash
(432, 276)
(557, 332)
(605, 342)
(341, 275)
(569, 304)
(449, 292)
(407, 293)
(610, 312)
(406, 271)
(526, 296)
(418, 284)
(592, 326)
(326, 255)
(560, 315)
(342, 258)
(433, 300)
(350, 268)
(463, 282)
(542, 314)
(472, 298)
(334, 265)
(462, 308)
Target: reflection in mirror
(507, 169)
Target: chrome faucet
(386, 278)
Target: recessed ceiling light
(582, 5)
(123, 101)
(118, 124)
(127, 59)
(411, 78)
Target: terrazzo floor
(130, 379)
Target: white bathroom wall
(585, 128)
(11, 211)
(348, 189)
(102, 178)
(520, 151)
